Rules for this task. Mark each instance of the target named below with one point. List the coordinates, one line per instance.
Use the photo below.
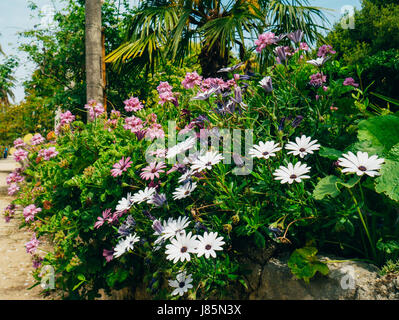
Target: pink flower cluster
(317, 79)
(13, 179)
(121, 166)
(32, 245)
(324, 50)
(134, 124)
(13, 189)
(30, 212)
(19, 143)
(15, 176)
(66, 117)
(49, 153)
(9, 212)
(95, 109)
(165, 93)
(20, 155)
(133, 104)
(154, 131)
(264, 40)
(209, 83)
(350, 82)
(37, 139)
(303, 46)
(191, 80)
(115, 114)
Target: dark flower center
(208, 247)
(209, 164)
(187, 192)
(293, 176)
(265, 153)
(362, 168)
(182, 284)
(183, 249)
(302, 149)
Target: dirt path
(15, 263)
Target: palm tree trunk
(94, 79)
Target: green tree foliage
(59, 54)
(167, 29)
(7, 80)
(373, 45)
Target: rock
(395, 283)
(347, 280)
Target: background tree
(373, 45)
(7, 80)
(168, 29)
(94, 79)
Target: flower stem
(364, 223)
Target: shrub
(121, 212)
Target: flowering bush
(171, 194)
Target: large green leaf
(381, 133)
(330, 153)
(393, 154)
(388, 181)
(327, 187)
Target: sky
(15, 16)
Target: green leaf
(330, 153)
(388, 99)
(81, 277)
(381, 132)
(351, 182)
(117, 277)
(304, 264)
(327, 187)
(393, 154)
(388, 181)
(388, 247)
(78, 285)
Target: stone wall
(271, 279)
(347, 280)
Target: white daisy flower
(182, 283)
(181, 247)
(181, 147)
(185, 176)
(319, 62)
(206, 161)
(191, 158)
(206, 94)
(184, 190)
(143, 195)
(292, 173)
(302, 146)
(170, 228)
(124, 204)
(131, 239)
(361, 163)
(175, 227)
(264, 150)
(208, 244)
(120, 249)
(125, 245)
